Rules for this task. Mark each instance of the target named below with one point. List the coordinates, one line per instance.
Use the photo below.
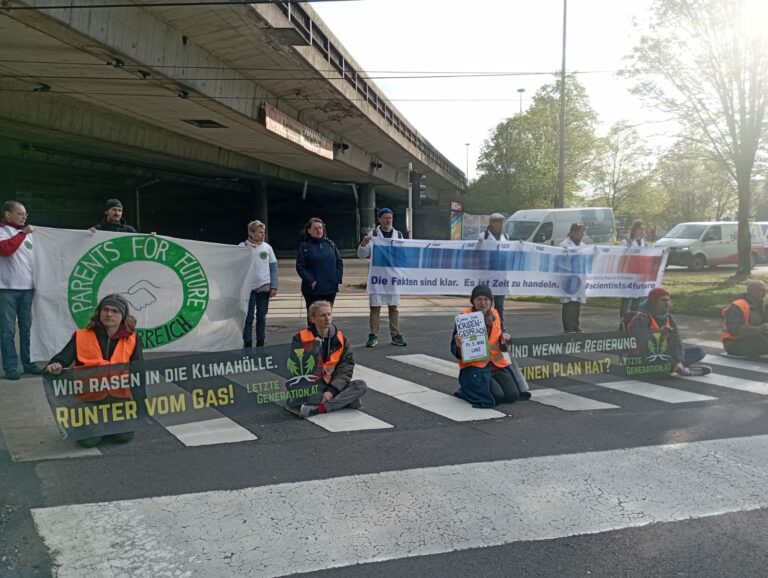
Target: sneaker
(307, 410)
(247, 344)
(372, 341)
(259, 343)
(700, 370)
(33, 370)
(398, 340)
(13, 376)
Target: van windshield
(684, 231)
(520, 230)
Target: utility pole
(560, 193)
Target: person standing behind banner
(17, 289)
(572, 305)
(486, 383)
(113, 219)
(262, 282)
(375, 301)
(495, 232)
(319, 264)
(109, 338)
(636, 238)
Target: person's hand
(366, 240)
(53, 368)
(153, 234)
(92, 229)
(28, 229)
(458, 339)
(505, 337)
(272, 292)
(327, 396)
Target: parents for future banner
(185, 295)
(408, 267)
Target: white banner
(408, 267)
(185, 295)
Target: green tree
(706, 62)
(518, 162)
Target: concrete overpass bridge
(202, 117)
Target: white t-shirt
(16, 269)
(261, 255)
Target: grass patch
(704, 293)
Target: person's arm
(364, 251)
(339, 264)
(342, 374)
(9, 246)
(302, 267)
(455, 347)
(274, 273)
(63, 358)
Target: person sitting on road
(653, 315)
(745, 328)
(331, 347)
(109, 338)
(486, 383)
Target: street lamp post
(520, 91)
(560, 193)
(466, 144)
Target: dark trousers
(498, 304)
(347, 397)
(503, 387)
(571, 311)
(751, 345)
(259, 302)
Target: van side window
(544, 233)
(712, 234)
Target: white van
(551, 226)
(708, 244)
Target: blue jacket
(319, 260)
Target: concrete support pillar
(260, 205)
(8, 187)
(367, 208)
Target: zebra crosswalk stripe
(652, 391)
(736, 363)
(305, 526)
(423, 397)
(751, 386)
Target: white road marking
(657, 392)
(28, 426)
(551, 397)
(423, 397)
(318, 524)
(752, 386)
(568, 401)
(348, 419)
(203, 427)
(736, 363)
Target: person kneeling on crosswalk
(492, 380)
(328, 344)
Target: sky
(511, 36)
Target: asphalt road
(646, 487)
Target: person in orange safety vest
(331, 347)
(745, 330)
(109, 338)
(494, 380)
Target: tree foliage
(518, 162)
(706, 62)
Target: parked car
(708, 244)
(551, 226)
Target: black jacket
(121, 227)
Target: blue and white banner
(407, 267)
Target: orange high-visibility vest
(742, 304)
(494, 342)
(89, 355)
(652, 323)
(308, 338)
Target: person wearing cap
(113, 219)
(488, 382)
(495, 232)
(745, 327)
(17, 289)
(653, 315)
(109, 338)
(386, 231)
(572, 304)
